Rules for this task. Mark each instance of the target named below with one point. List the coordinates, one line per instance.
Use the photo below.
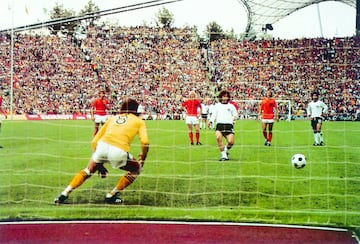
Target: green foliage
(60, 12)
(214, 31)
(164, 18)
(183, 182)
(90, 7)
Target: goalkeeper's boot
(114, 199)
(60, 199)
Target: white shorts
(108, 153)
(268, 121)
(100, 118)
(193, 120)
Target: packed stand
(159, 67)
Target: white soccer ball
(298, 160)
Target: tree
(231, 34)
(90, 7)
(214, 32)
(59, 12)
(164, 18)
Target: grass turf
(183, 182)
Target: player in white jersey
(224, 115)
(316, 110)
(204, 115)
(210, 112)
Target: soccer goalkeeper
(112, 145)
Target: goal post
(248, 109)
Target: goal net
(42, 150)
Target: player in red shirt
(235, 104)
(268, 113)
(99, 108)
(192, 106)
(2, 111)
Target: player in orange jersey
(112, 145)
(192, 106)
(99, 108)
(268, 113)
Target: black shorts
(204, 116)
(225, 129)
(315, 121)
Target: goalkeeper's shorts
(108, 153)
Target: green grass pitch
(183, 182)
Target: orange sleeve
(144, 139)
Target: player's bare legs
(97, 127)
(133, 167)
(318, 138)
(197, 134)
(221, 146)
(224, 148)
(264, 131)
(267, 133)
(190, 133)
(77, 181)
(270, 134)
(230, 141)
(318, 131)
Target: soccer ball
(298, 160)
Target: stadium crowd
(159, 67)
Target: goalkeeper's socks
(124, 182)
(80, 178)
(67, 191)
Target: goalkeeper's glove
(141, 160)
(102, 171)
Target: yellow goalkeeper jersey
(120, 131)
